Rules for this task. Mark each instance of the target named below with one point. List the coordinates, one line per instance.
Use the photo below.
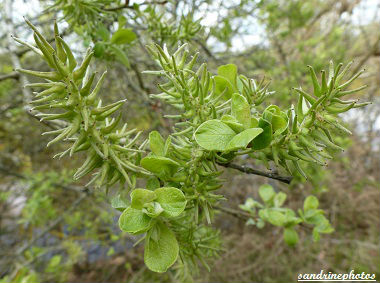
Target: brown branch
(249, 170)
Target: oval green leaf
(156, 143)
(134, 221)
(141, 196)
(161, 252)
(123, 36)
(265, 138)
(240, 110)
(222, 84)
(172, 200)
(214, 135)
(162, 167)
(243, 139)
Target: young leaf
(223, 85)
(279, 199)
(161, 166)
(172, 200)
(265, 138)
(275, 217)
(311, 202)
(240, 110)
(134, 221)
(141, 196)
(160, 253)
(266, 192)
(156, 143)
(290, 236)
(277, 118)
(152, 183)
(99, 49)
(229, 72)
(214, 135)
(231, 122)
(102, 32)
(123, 36)
(118, 203)
(243, 139)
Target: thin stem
(249, 170)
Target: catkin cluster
(68, 91)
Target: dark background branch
(249, 170)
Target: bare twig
(249, 170)
(242, 215)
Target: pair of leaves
(313, 215)
(120, 37)
(279, 216)
(216, 135)
(232, 132)
(270, 197)
(146, 205)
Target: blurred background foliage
(51, 230)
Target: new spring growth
(219, 117)
(110, 148)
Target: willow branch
(249, 170)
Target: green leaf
(134, 221)
(265, 138)
(172, 200)
(223, 85)
(123, 36)
(254, 122)
(120, 55)
(141, 196)
(240, 110)
(243, 139)
(231, 122)
(102, 32)
(277, 118)
(99, 49)
(118, 203)
(311, 202)
(163, 167)
(156, 143)
(266, 192)
(152, 183)
(279, 199)
(316, 235)
(162, 252)
(290, 236)
(229, 72)
(214, 135)
(275, 217)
